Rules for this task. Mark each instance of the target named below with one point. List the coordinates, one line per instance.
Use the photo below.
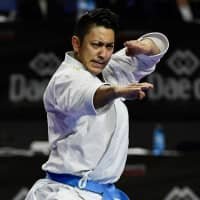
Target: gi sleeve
(74, 94)
(123, 69)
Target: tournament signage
(29, 58)
(24, 89)
(177, 87)
(31, 89)
(176, 80)
(183, 82)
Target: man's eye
(95, 45)
(110, 46)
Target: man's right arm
(107, 93)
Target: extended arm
(106, 93)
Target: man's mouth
(99, 63)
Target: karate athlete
(87, 118)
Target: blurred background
(164, 154)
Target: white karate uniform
(86, 141)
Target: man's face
(96, 49)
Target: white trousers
(45, 189)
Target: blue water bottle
(158, 140)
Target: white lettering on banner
(184, 63)
(21, 88)
(179, 194)
(173, 89)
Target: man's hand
(145, 46)
(106, 93)
(133, 91)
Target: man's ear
(75, 43)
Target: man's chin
(96, 71)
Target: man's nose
(103, 52)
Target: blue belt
(108, 191)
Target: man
(87, 119)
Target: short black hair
(98, 17)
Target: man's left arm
(147, 50)
(137, 59)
